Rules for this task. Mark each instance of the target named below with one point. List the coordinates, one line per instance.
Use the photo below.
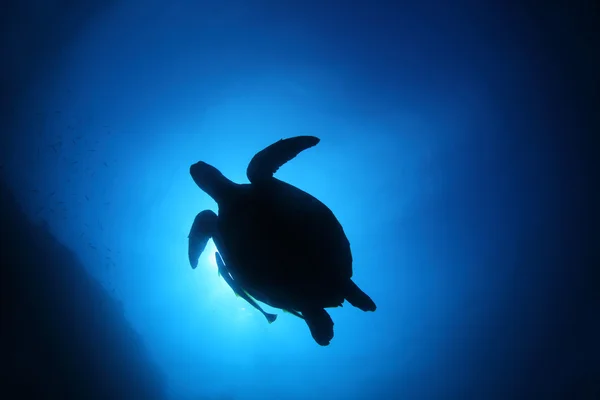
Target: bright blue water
(426, 158)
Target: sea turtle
(278, 244)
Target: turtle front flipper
(202, 230)
(267, 161)
(320, 324)
(224, 272)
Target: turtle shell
(285, 245)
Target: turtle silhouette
(276, 243)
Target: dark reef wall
(62, 336)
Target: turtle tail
(358, 298)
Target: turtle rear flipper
(358, 298)
(320, 324)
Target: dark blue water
(453, 151)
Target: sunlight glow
(223, 287)
(210, 251)
(207, 259)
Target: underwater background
(458, 149)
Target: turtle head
(210, 180)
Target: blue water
(437, 155)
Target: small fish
(105, 164)
(92, 246)
(73, 140)
(51, 194)
(91, 150)
(81, 235)
(35, 190)
(87, 198)
(74, 162)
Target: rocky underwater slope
(61, 334)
